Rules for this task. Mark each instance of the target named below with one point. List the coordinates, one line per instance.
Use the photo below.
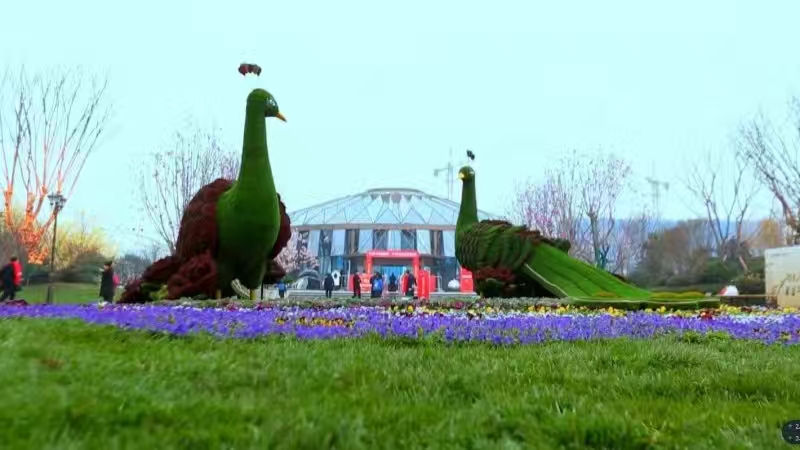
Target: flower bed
(506, 304)
(483, 324)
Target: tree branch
(43, 103)
(173, 174)
(773, 156)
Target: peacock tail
(513, 260)
(495, 244)
(576, 278)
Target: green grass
(64, 293)
(65, 385)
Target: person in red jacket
(12, 279)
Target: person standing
(382, 285)
(412, 281)
(376, 286)
(12, 279)
(107, 286)
(281, 288)
(328, 285)
(356, 286)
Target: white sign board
(782, 275)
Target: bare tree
(172, 176)
(628, 242)
(772, 153)
(49, 125)
(578, 190)
(152, 252)
(551, 206)
(603, 180)
(726, 191)
(131, 265)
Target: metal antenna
(450, 176)
(657, 185)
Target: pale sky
(396, 84)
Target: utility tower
(449, 169)
(656, 185)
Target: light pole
(57, 203)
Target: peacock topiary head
(466, 173)
(262, 99)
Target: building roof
(384, 207)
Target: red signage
(392, 254)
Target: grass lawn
(66, 384)
(64, 293)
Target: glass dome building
(340, 232)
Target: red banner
(392, 254)
(467, 284)
(423, 284)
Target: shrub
(490, 288)
(35, 273)
(633, 305)
(680, 280)
(750, 284)
(716, 271)
(713, 288)
(84, 269)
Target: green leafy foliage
(35, 273)
(160, 294)
(750, 284)
(490, 288)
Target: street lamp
(56, 203)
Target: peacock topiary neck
(468, 212)
(255, 182)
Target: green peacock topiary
(513, 261)
(231, 232)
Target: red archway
(372, 255)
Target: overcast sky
(377, 92)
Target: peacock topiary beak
(460, 175)
(280, 116)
